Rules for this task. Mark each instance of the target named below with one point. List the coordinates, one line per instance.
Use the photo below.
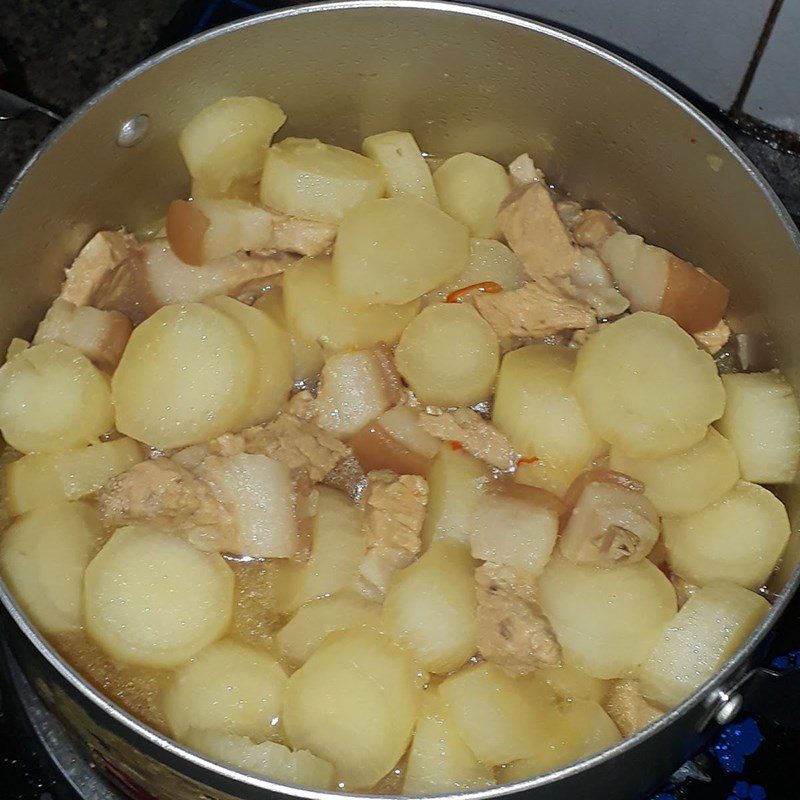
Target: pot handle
(773, 695)
(12, 106)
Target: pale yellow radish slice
(354, 703)
(762, 422)
(449, 355)
(227, 687)
(606, 620)
(152, 599)
(470, 189)
(266, 759)
(535, 407)
(707, 631)
(315, 621)
(274, 359)
(626, 381)
(430, 608)
(307, 178)
(226, 142)
(316, 311)
(739, 539)
(685, 482)
(394, 250)
(439, 761)
(501, 718)
(39, 479)
(404, 169)
(188, 374)
(43, 556)
(53, 398)
(337, 549)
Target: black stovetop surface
(60, 52)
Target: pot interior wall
(459, 82)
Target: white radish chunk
(316, 311)
(514, 528)
(449, 355)
(439, 761)
(430, 608)
(702, 636)
(455, 481)
(606, 620)
(337, 549)
(355, 388)
(227, 687)
(46, 377)
(187, 375)
(571, 683)
(582, 729)
(260, 495)
(354, 703)
(227, 140)
(535, 407)
(274, 361)
(625, 381)
(43, 556)
(307, 355)
(405, 171)
(685, 482)
(470, 189)
(39, 479)
(489, 261)
(266, 759)
(500, 718)
(740, 538)
(309, 179)
(315, 621)
(397, 249)
(152, 599)
(762, 422)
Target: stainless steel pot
(460, 78)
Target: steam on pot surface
(384, 472)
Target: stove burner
(71, 767)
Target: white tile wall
(774, 94)
(705, 44)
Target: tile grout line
(755, 59)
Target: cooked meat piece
(473, 433)
(355, 387)
(610, 525)
(522, 171)
(100, 256)
(535, 232)
(394, 508)
(626, 706)
(297, 442)
(591, 283)
(303, 236)
(714, 340)
(538, 309)
(593, 228)
(162, 492)
(683, 589)
(512, 631)
(518, 581)
(570, 212)
(100, 335)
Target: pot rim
(706, 693)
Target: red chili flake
(488, 287)
(455, 445)
(531, 460)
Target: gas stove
(752, 759)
